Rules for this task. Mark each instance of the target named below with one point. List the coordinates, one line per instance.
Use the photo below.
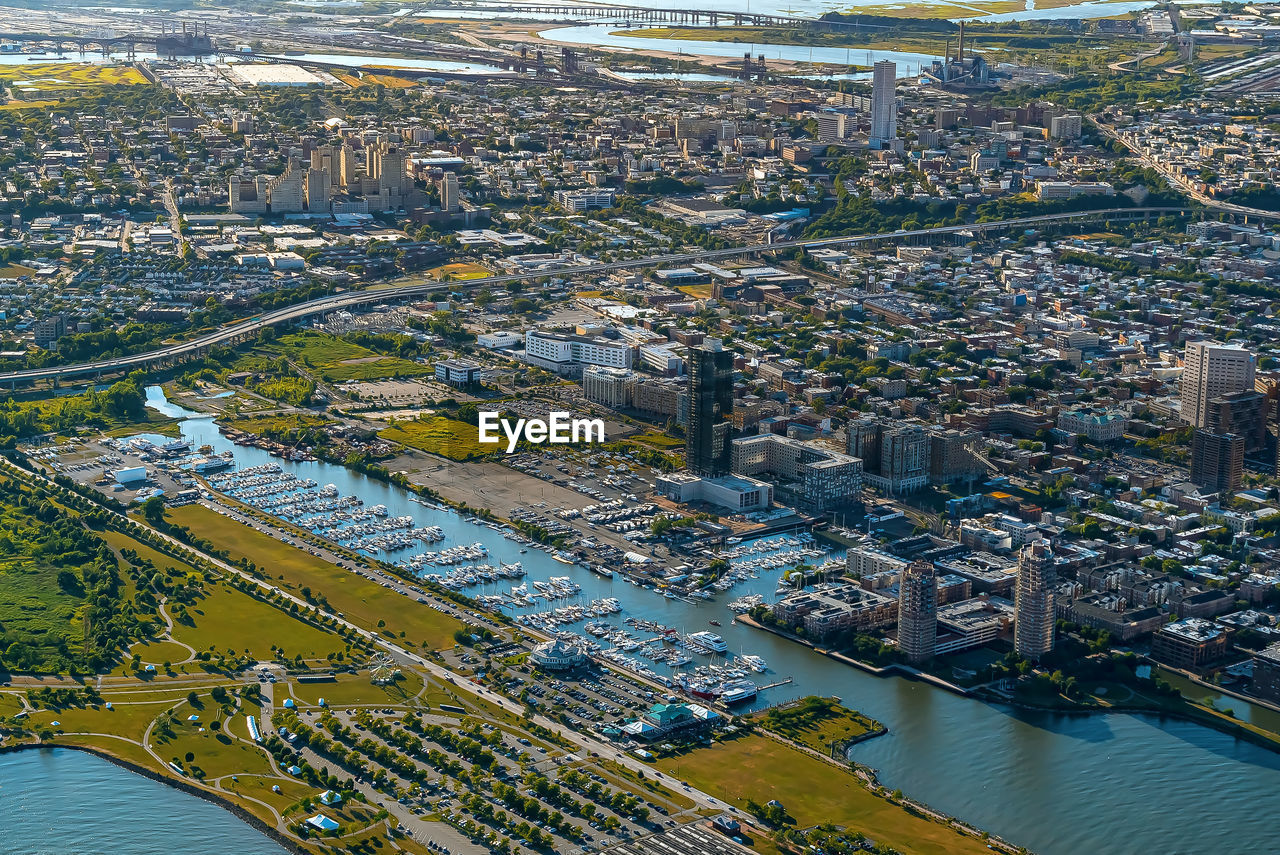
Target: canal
(1057, 784)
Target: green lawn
(658, 440)
(813, 792)
(335, 360)
(440, 435)
(119, 540)
(356, 690)
(229, 618)
(818, 722)
(133, 710)
(13, 271)
(216, 753)
(291, 792)
(9, 704)
(158, 652)
(362, 601)
(278, 425)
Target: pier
(775, 684)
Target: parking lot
(696, 838)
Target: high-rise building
(388, 176)
(48, 330)
(710, 405)
(813, 478)
(1034, 601)
(832, 126)
(951, 459)
(317, 189)
(1213, 370)
(348, 172)
(1241, 413)
(862, 439)
(285, 192)
(244, 197)
(609, 386)
(1217, 460)
(328, 158)
(918, 612)
(884, 102)
(904, 460)
(449, 196)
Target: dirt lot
(484, 484)
(494, 486)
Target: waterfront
(818, 8)
(1054, 783)
(58, 801)
(606, 36)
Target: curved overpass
(337, 302)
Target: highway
(1177, 182)
(338, 302)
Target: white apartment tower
(1033, 610)
(1211, 370)
(884, 101)
(918, 612)
(449, 197)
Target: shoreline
(1229, 726)
(210, 796)
(894, 670)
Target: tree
(153, 511)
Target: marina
(1092, 779)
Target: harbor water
(1058, 784)
(58, 801)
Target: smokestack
(960, 50)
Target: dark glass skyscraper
(710, 405)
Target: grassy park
(335, 360)
(216, 621)
(758, 769)
(439, 435)
(356, 690)
(818, 723)
(227, 618)
(362, 601)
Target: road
(1177, 182)
(175, 219)
(583, 741)
(337, 302)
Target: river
(58, 801)
(1058, 784)
(606, 36)
(818, 8)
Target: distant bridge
(713, 17)
(644, 14)
(165, 43)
